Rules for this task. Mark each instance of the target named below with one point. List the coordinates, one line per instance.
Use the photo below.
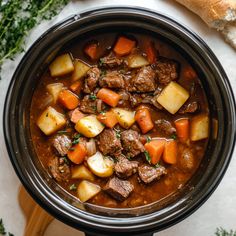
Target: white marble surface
(219, 210)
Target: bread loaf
(218, 14)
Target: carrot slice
(76, 87)
(144, 120)
(77, 154)
(68, 99)
(108, 96)
(76, 115)
(123, 46)
(151, 52)
(108, 119)
(182, 129)
(155, 149)
(170, 152)
(91, 50)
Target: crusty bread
(218, 14)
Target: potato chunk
(89, 126)
(100, 165)
(199, 127)
(50, 121)
(136, 61)
(124, 117)
(81, 172)
(172, 97)
(87, 190)
(54, 89)
(62, 65)
(80, 71)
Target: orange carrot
(124, 46)
(144, 120)
(68, 99)
(182, 129)
(76, 115)
(151, 52)
(170, 152)
(108, 119)
(76, 87)
(108, 96)
(91, 50)
(77, 153)
(155, 149)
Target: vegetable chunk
(109, 97)
(124, 117)
(199, 127)
(109, 119)
(172, 97)
(51, 121)
(62, 65)
(81, 172)
(87, 190)
(124, 46)
(68, 99)
(89, 126)
(77, 153)
(54, 90)
(136, 61)
(100, 165)
(143, 118)
(80, 71)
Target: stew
(121, 122)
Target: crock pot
(95, 220)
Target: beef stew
(120, 123)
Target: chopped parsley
(148, 138)
(118, 135)
(102, 112)
(173, 136)
(62, 132)
(92, 97)
(76, 139)
(103, 73)
(65, 159)
(147, 155)
(222, 232)
(73, 187)
(101, 62)
(157, 165)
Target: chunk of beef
(62, 144)
(59, 169)
(109, 143)
(189, 108)
(88, 105)
(125, 168)
(124, 97)
(75, 115)
(119, 189)
(112, 79)
(91, 81)
(187, 159)
(167, 70)
(111, 61)
(144, 81)
(149, 173)
(131, 143)
(165, 127)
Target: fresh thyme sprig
(17, 18)
(222, 232)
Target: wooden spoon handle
(37, 220)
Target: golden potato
(87, 190)
(51, 121)
(124, 117)
(81, 172)
(89, 126)
(80, 70)
(62, 65)
(172, 97)
(100, 165)
(199, 127)
(54, 89)
(136, 61)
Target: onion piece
(99, 105)
(91, 147)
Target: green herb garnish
(147, 155)
(73, 187)
(148, 138)
(65, 159)
(18, 17)
(62, 132)
(173, 136)
(103, 73)
(118, 133)
(2, 228)
(92, 97)
(101, 62)
(222, 232)
(102, 112)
